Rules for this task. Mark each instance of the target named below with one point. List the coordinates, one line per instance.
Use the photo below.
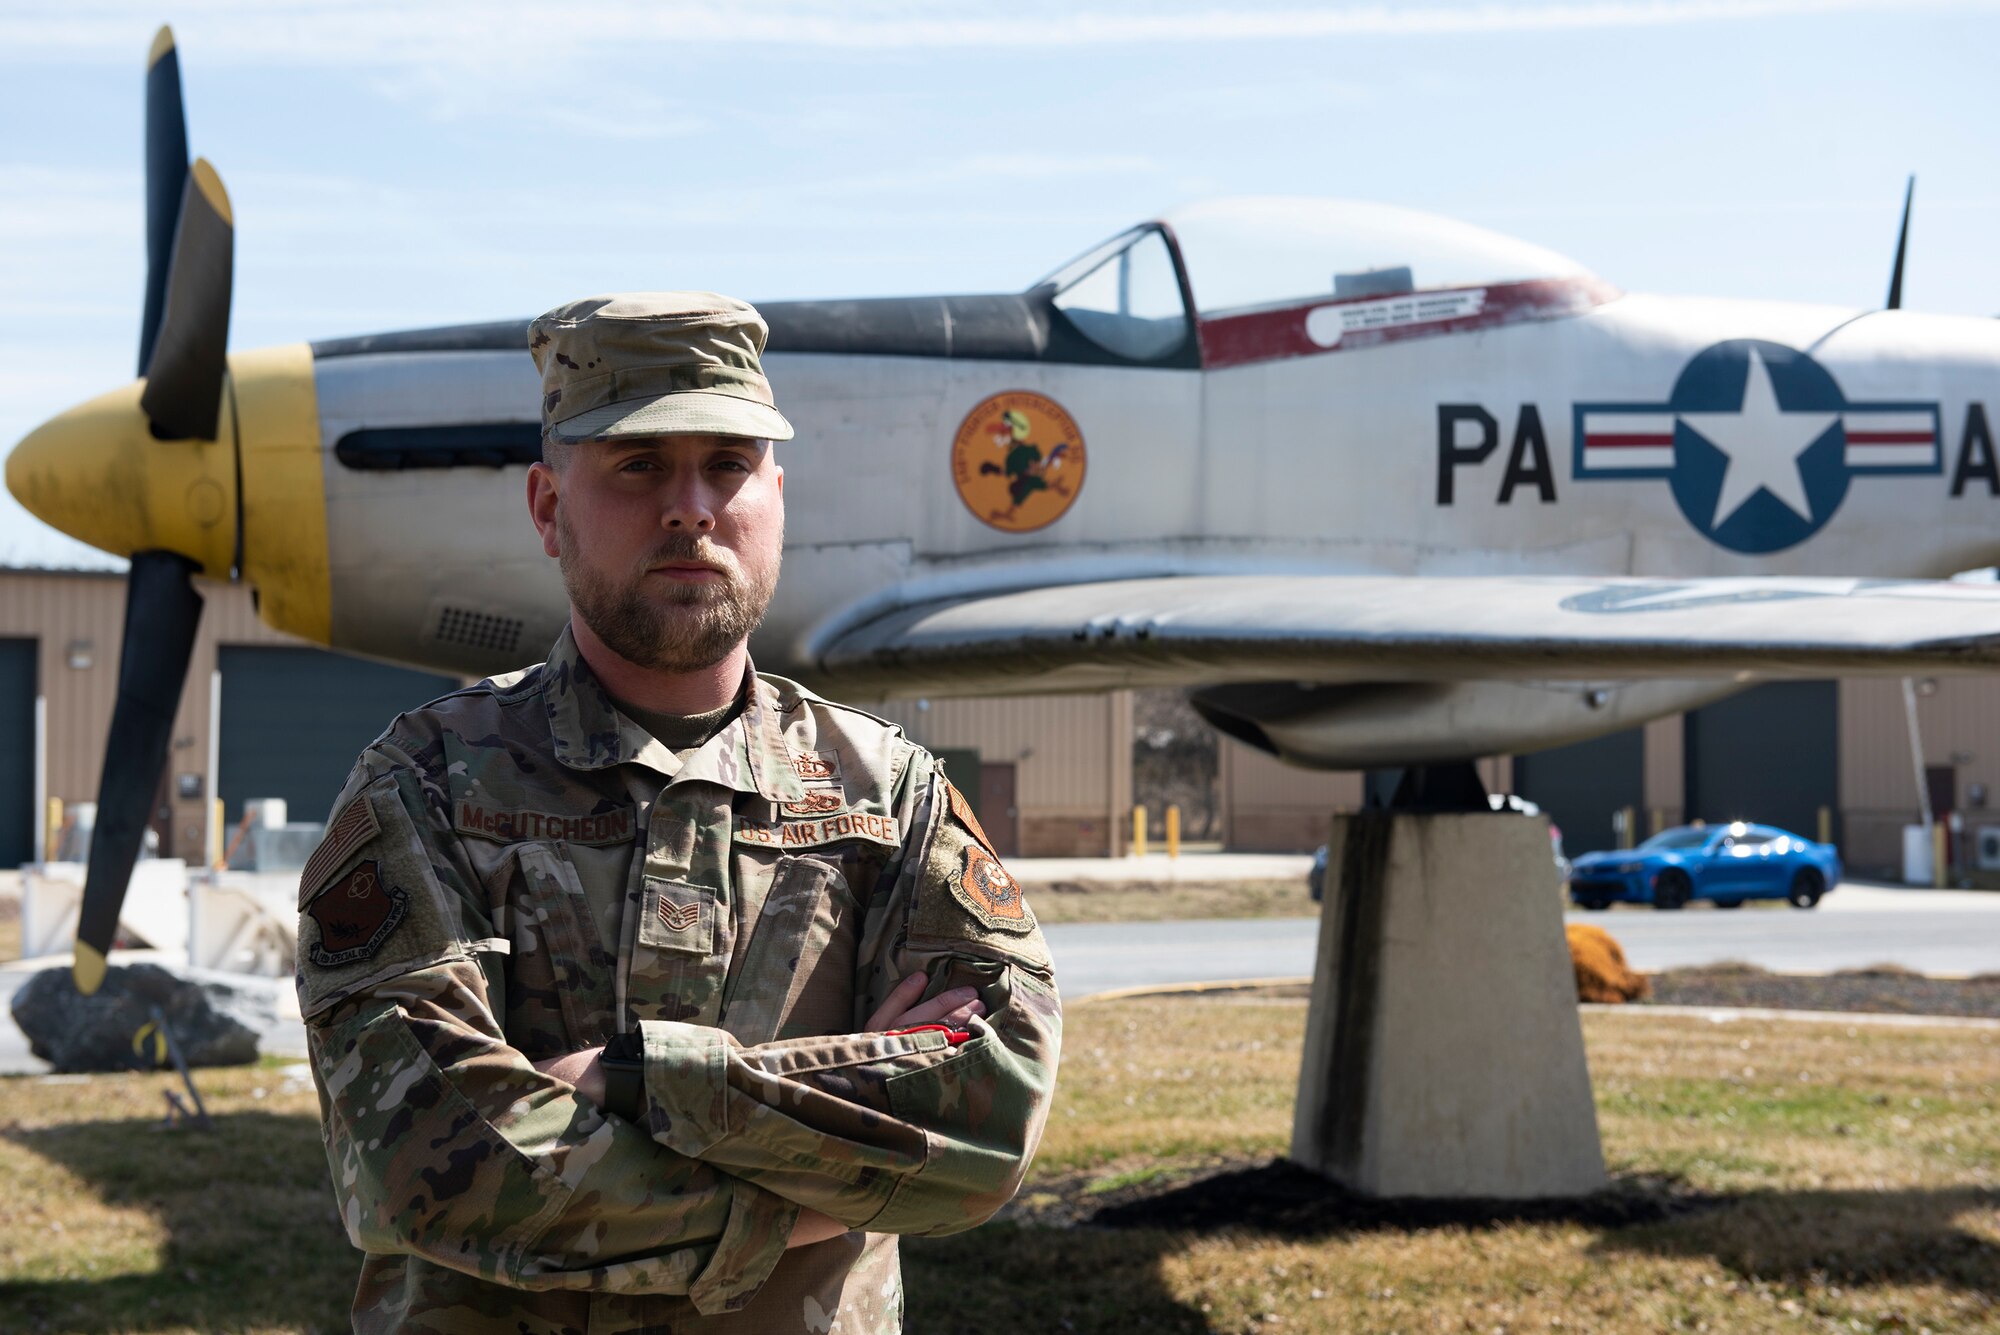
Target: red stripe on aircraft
(1890, 438)
(1628, 442)
(1279, 334)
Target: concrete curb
(1731, 1014)
(1713, 1014)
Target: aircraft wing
(1207, 629)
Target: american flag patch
(345, 834)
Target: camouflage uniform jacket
(517, 871)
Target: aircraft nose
(97, 473)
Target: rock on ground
(77, 1033)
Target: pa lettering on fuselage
(1756, 442)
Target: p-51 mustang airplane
(1375, 487)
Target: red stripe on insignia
(1629, 442)
(1890, 437)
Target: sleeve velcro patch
(345, 834)
(962, 809)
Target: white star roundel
(1757, 443)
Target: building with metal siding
(1271, 807)
(76, 621)
(1066, 759)
(1070, 757)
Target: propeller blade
(183, 392)
(1902, 248)
(166, 180)
(162, 611)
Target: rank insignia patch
(356, 914)
(992, 892)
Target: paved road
(1930, 931)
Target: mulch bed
(1883, 990)
(1279, 1198)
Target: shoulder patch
(345, 834)
(356, 914)
(991, 891)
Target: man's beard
(683, 627)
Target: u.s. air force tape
(812, 833)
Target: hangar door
(1769, 755)
(293, 720)
(17, 751)
(1582, 785)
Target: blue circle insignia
(1759, 454)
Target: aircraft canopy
(1260, 251)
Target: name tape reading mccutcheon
(603, 827)
(812, 833)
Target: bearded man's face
(670, 545)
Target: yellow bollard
(1138, 831)
(1826, 825)
(1658, 821)
(1939, 836)
(1173, 831)
(215, 833)
(1629, 828)
(54, 816)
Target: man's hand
(899, 1010)
(580, 1069)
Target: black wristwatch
(624, 1064)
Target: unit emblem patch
(991, 890)
(356, 914)
(1018, 461)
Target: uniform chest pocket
(559, 989)
(801, 947)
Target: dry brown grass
(1859, 1170)
(110, 1223)
(1169, 901)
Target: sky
(395, 165)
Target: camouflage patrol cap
(654, 363)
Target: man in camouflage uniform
(646, 993)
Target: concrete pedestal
(1444, 1053)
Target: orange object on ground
(1601, 971)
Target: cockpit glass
(1243, 254)
(1124, 296)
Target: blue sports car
(1724, 863)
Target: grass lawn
(1169, 901)
(1788, 1177)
